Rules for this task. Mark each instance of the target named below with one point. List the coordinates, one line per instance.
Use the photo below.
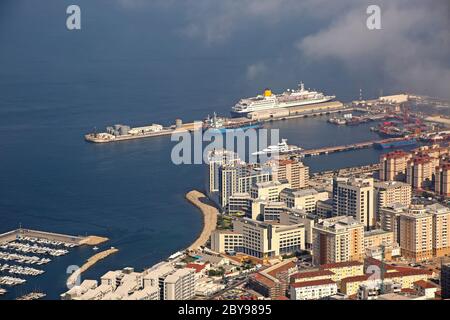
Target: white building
(313, 290)
(180, 285)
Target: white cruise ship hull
(281, 105)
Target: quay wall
(11, 236)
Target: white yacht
(280, 148)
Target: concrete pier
(78, 240)
(72, 280)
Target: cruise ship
(289, 98)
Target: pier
(333, 149)
(72, 280)
(346, 147)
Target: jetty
(209, 212)
(72, 280)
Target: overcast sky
(411, 50)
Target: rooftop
(312, 274)
(313, 283)
(340, 265)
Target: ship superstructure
(269, 100)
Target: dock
(32, 296)
(341, 148)
(23, 251)
(125, 133)
(72, 280)
(50, 236)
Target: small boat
(95, 248)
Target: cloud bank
(412, 49)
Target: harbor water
(56, 85)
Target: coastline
(209, 212)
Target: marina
(32, 296)
(13, 269)
(21, 248)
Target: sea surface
(128, 67)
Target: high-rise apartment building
(354, 197)
(389, 192)
(393, 165)
(441, 229)
(419, 172)
(416, 233)
(294, 171)
(338, 239)
(239, 178)
(216, 159)
(442, 181)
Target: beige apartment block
(390, 192)
(393, 165)
(419, 172)
(268, 191)
(442, 181)
(295, 172)
(266, 240)
(416, 234)
(305, 199)
(338, 239)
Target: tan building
(268, 191)
(393, 165)
(442, 181)
(416, 234)
(343, 270)
(225, 241)
(389, 192)
(299, 216)
(295, 172)
(377, 238)
(305, 199)
(338, 239)
(261, 239)
(354, 197)
(441, 228)
(419, 172)
(421, 231)
(405, 278)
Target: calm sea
(129, 67)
